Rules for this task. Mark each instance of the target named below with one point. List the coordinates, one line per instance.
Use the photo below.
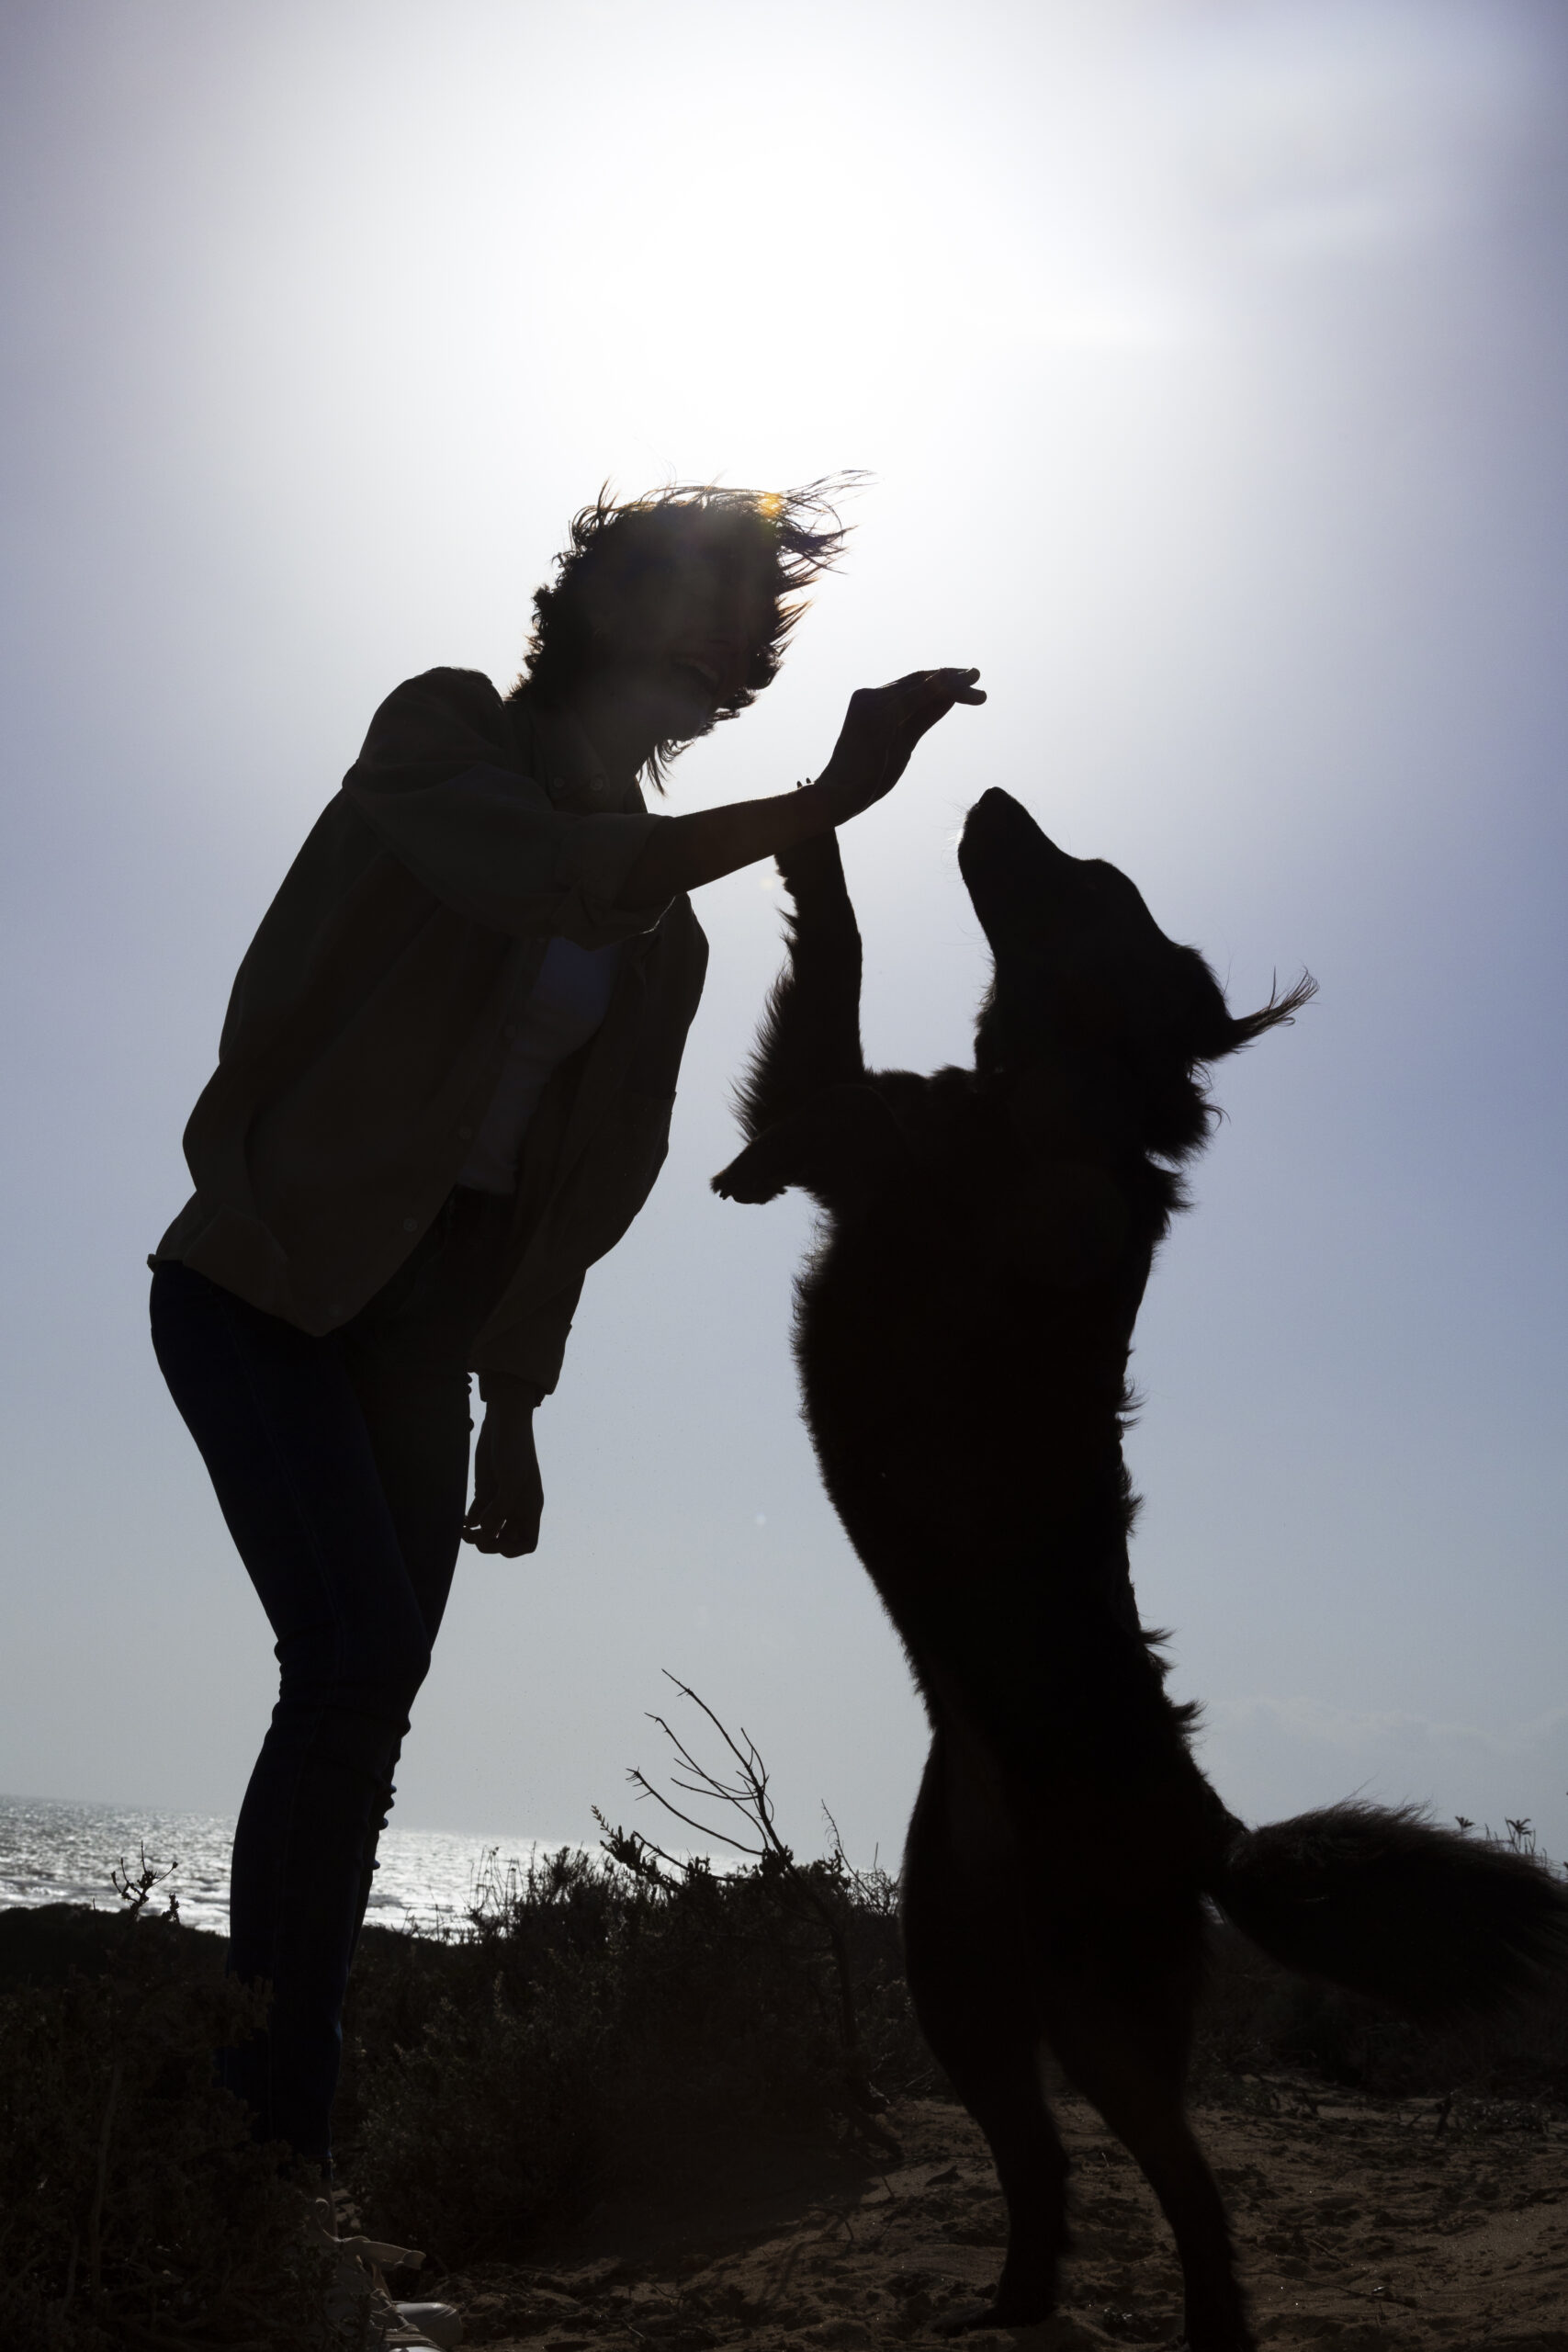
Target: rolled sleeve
(530, 1349)
(489, 844)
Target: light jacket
(364, 1036)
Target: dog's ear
(1222, 1032)
(842, 1146)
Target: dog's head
(1083, 972)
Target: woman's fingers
(511, 1532)
(942, 686)
(509, 1495)
(907, 709)
(506, 1515)
(921, 700)
(935, 695)
(504, 1521)
(901, 712)
(937, 690)
(882, 727)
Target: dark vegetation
(609, 2020)
(610, 2023)
(134, 2209)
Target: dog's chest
(999, 1254)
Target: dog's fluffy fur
(962, 1337)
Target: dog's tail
(1384, 1902)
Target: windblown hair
(791, 535)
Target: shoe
(436, 2323)
(358, 2288)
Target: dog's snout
(1000, 824)
(993, 811)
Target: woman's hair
(791, 535)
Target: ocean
(53, 1851)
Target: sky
(1208, 360)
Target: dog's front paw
(748, 1178)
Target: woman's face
(679, 615)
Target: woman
(444, 1088)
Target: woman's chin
(684, 717)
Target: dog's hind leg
(971, 1982)
(1124, 2043)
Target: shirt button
(410, 1224)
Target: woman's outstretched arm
(882, 727)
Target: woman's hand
(882, 727)
(881, 730)
(509, 1495)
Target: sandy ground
(1358, 2224)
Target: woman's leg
(420, 1432)
(285, 1442)
(407, 1355)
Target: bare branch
(815, 1890)
(754, 1774)
(639, 1781)
(749, 1795)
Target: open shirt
(366, 1031)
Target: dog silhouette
(963, 1335)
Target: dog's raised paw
(750, 1185)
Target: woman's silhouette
(444, 1090)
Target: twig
(640, 1781)
(95, 2218)
(748, 1795)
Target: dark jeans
(342, 1468)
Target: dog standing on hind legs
(963, 1336)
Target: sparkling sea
(53, 1851)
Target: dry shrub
(135, 2208)
(607, 2018)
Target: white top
(565, 1006)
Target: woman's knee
(374, 1670)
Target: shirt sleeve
(435, 784)
(533, 1347)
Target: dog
(963, 1335)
